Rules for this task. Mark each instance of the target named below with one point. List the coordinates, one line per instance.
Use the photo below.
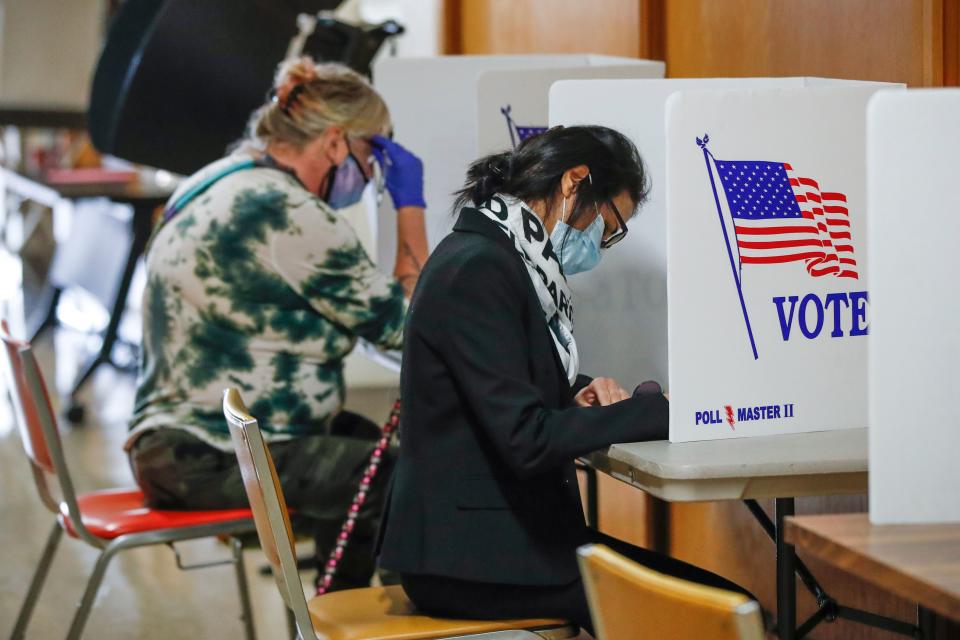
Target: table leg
(592, 492)
(786, 582)
(50, 318)
(927, 623)
(593, 497)
(658, 524)
(827, 608)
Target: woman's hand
(600, 392)
(402, 171)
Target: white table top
(390, 360)
(817, 463)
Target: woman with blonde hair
(255, 281)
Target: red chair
(111, 520)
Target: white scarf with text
(532, 242)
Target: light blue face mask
(577, 250)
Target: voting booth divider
(442, 106)
(621, 305)
(766, 333)
(913, 201)
(513, 105)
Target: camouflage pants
(319, 476)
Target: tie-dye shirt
(256, 284)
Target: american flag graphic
(528, 132)
(519, 133)
(779, 217)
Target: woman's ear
(333, 144)
(571, 179)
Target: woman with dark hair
(484, 516)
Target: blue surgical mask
(577, 250)
(347, 184)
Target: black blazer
(485, 487)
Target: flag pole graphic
(702, 143)
(510, 125)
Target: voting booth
(622, 316)
(912, 143)
(621, 320)
(442, 106)
(767, 261)
(513, 105)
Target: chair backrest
(35, 420)
(28, 420)
(269, 508)
(627, 601)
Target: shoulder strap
(194, 191)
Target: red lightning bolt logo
(730, 419)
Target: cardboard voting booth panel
(621, 318)
(434, 103)
(513, 105)
(767, 261)
(912, 142)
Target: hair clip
(289, 99)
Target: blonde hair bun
(311, 97)
(291, 73)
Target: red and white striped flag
(779, 217)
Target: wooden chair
(630, 602)
(374, 613)
(110, 520)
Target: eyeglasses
(617, 235)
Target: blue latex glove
(402, 170)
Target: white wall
(48, 50)
(420, 18)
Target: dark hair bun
(489, 175)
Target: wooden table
(781, 467)
(918, 562)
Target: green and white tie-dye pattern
(256, 284)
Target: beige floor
(144, 595)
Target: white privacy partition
(434, 104)
(621, 319)
(514, 104)
(914, 206)
(767, 255)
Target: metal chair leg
(292, 632)
(90, 593)
(246, 612)
(36, 583)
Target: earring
(563, 211)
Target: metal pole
(927, 622)
(36, 584)
(786, 582)
(808, 579)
